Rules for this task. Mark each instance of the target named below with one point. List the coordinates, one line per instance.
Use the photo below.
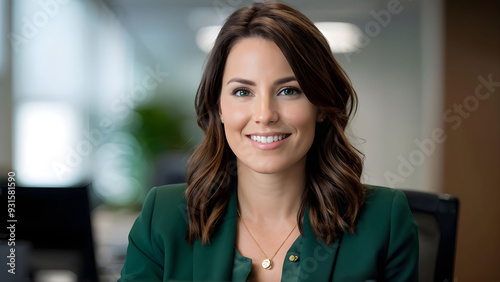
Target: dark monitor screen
(52, 228)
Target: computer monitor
(52, 232)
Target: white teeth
(267, 139)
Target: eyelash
(238, 90)
(297, 91)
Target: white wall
(397, 77)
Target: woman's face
(269, 123)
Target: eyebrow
(251, 83)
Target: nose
(265, 110)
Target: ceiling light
(205, 37)
(343, 37)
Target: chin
(267, 168)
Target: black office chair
(436, 215)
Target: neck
(270, 198)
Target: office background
(103, 91)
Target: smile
(268, 139)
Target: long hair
(333, 194)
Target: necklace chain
(267, 263)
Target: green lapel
(317, 259)
(214, 262)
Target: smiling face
(268, 121)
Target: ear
(220, 116)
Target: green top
(384, 247)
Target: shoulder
(173, 193)
(384, 211)
(168, 199)
(166, 209)
(156, 240)
(385, 244)
(384, 207)
(388, 220)
(163, 198)
(382, 201)
(380, 195)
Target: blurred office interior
(102, 92)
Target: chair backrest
(54, 226)
(436, 215)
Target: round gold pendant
(267, 264)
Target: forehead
(256, 57)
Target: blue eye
(289, 91)
(241, 92)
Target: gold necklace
(268, 262)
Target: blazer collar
(214, 262)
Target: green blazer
(384, 247)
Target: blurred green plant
(158, 129)
(136, 157)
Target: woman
(273, 191)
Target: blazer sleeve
(402, 254)
(143, 262)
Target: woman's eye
(241, 92)
(289, 91)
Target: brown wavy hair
(333, 194)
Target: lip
(268, 146)
(269, 133)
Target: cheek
(235, 117)
(302, 117)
